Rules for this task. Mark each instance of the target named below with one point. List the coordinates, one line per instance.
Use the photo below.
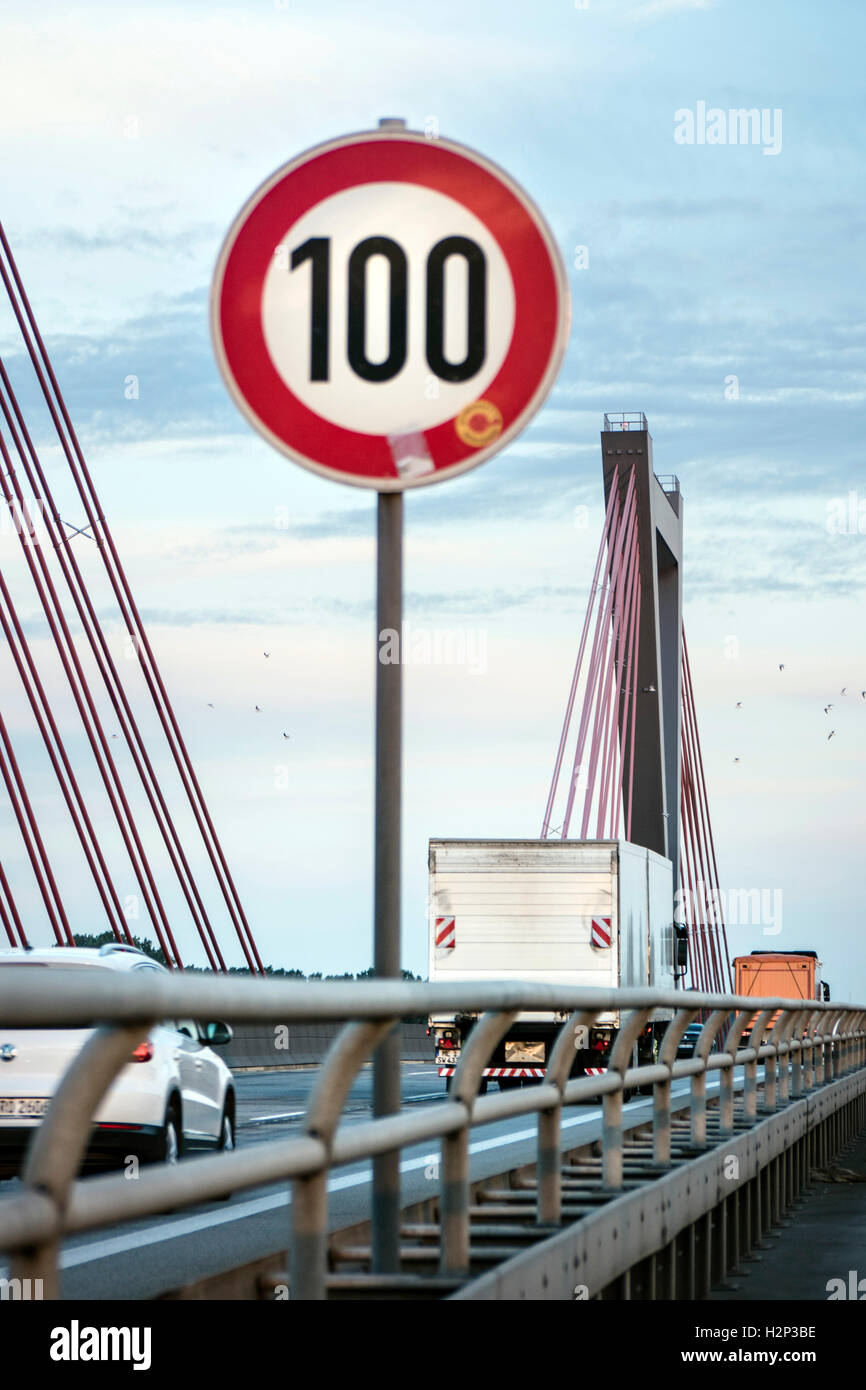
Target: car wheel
(171, 1145)
(227, 1132)
(226, 1143)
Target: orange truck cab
(783, 974)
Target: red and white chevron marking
(499, 1071)
(594, 1071)
(600, 932)
(446, 934)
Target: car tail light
(143, 1053)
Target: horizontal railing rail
(802, 1044)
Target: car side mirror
(216, 1034)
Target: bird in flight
(830, 735)
(827, 709)
(258, 709)
(736, 760)
(781, 665)
(209, 705)
(285, 735)
(842, 691)
(267, 653)
(739, 704)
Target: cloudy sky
(720, 290)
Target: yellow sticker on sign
(479, 424)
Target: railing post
(620, 1057)
(797, 1044)
(662, 1089)
(309, 1255)
(831, 1053)
(726, 1076)
(699, 1081)
(455, 1248)
(309, 1245)
(791, 1074)
(820, 1051)
(809, 1048)
(771, 1064)
(549, 1153)
(847, 1047)
(750, 1085)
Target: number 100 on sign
(348, 307)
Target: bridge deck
(824, 1240)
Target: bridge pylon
(654, 733)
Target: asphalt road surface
(143, 1259)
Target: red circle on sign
(541, 310)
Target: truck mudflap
(537, 1072)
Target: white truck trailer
(568, 912)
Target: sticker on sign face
(380, 335)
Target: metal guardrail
(802, 1044)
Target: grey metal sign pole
(389, 714)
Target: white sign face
(412, 396)
(389, 310)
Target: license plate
(524, 1052)
(26, 1107)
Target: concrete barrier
(302, 1044)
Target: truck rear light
(143, 1053)
(446, 1042)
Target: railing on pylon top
(625, 420)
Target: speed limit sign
(389, 310)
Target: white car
(174, 1095)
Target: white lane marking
(154, 1235)
(297, 1114)
(119, 1245)
(271, 1119)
